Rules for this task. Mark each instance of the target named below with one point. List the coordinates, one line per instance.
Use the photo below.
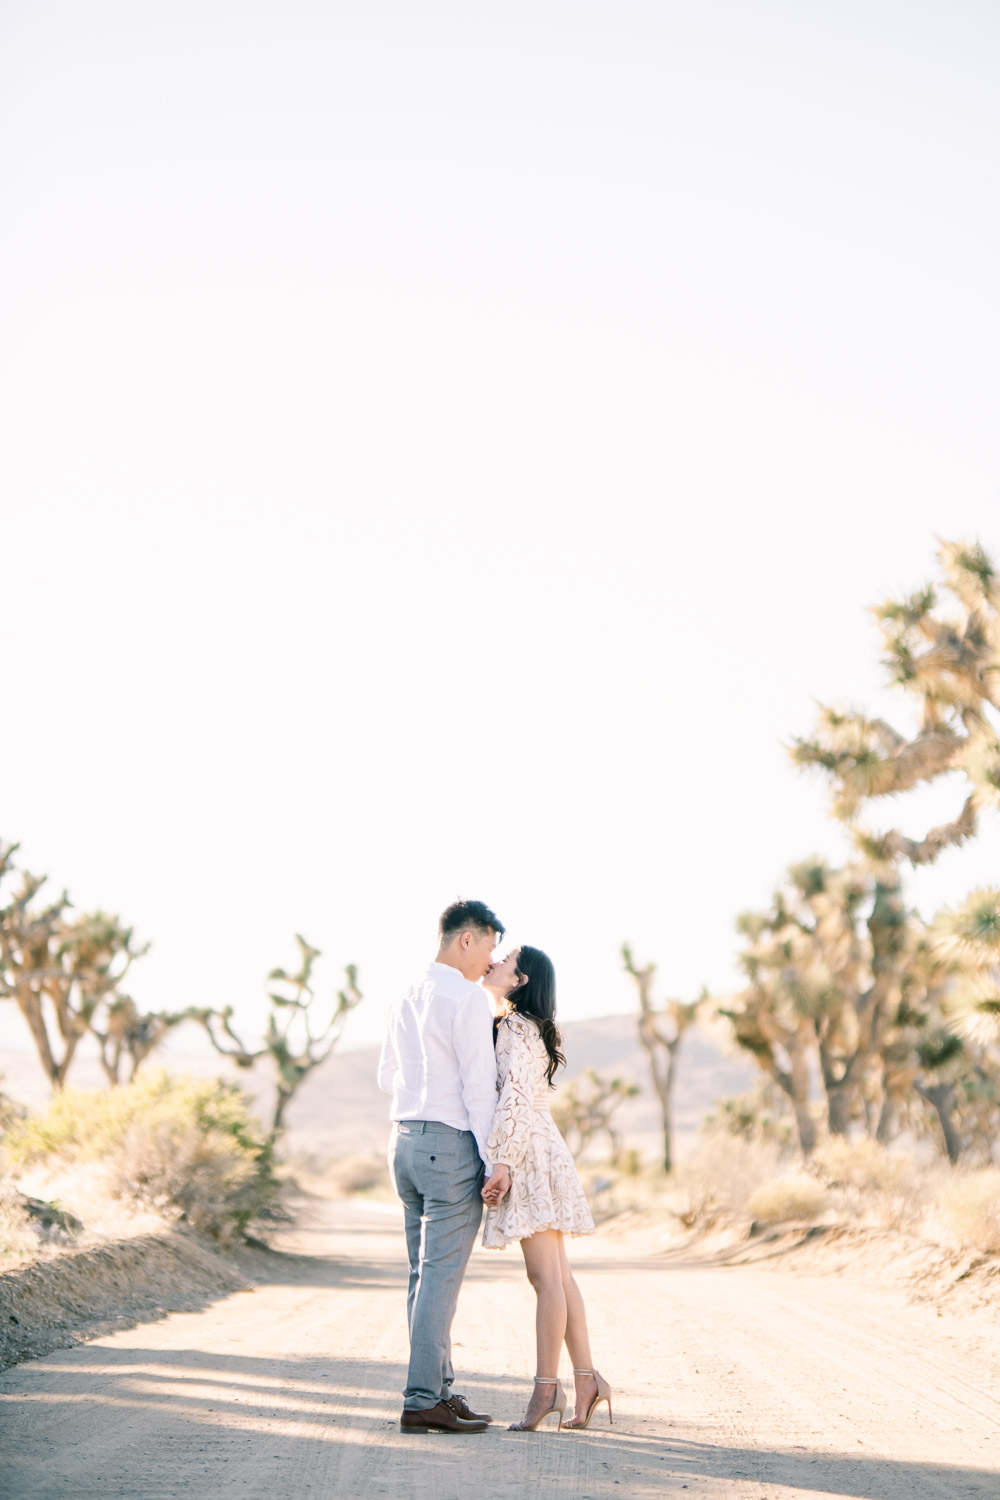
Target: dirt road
(737, 1383)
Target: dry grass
(866, 1167)
(793, 1195)
(18, 1239)
(870, 1185)
(716, 1183)
(366, 1175)
(968, 1207)
(86, 1190)
(730, 1182)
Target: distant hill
(340, 1110)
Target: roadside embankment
(53, 1303)
(958, 1280)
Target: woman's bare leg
(544, 1267)
(577, 1336)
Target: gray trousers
(438, 1175)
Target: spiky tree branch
(296, 1040)
(586, 1106)
(942, 648)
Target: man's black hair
(461, 915)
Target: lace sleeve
(512, 1122)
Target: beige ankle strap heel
(603, 1394)
(559, 1405)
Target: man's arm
(472, 1038)
(388, 1063)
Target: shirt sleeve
(472, 1038)
(508, 1140)
(388, 1063)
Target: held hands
(497, 1187)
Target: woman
(545, 1201)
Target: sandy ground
(732, 1382)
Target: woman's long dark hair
(536, 998)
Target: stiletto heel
(603, 1394)
(558, 1407)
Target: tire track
(730, 1384)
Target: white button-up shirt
(438, 1061)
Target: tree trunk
(663, 1064)
(838, 1114)
(886, 1120)
(280, 1105)
(804, 1122)
(30, 1005)
(661, 1047)
(941, 1098)
(667, 1105)
(806, 1128)
(838, 1074)
(111, 1054)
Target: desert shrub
(877, 1186)
(864, 1165)
(969, 1206)
(793, 1195)
(76, 1126)
(17, 1237)
(720, 1175)
(321, 1169)
(190, 1148)
(357, 1174)
(10, 1112)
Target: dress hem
(515, 1239)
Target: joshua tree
(585, 1109)
(761, 1114)
(966, 944)
(769, 1023)
(126, 1036)
(943, 651)
(819, 987)
(970, 937)
(61, 972)
(817, 998)
(661, 1032)
(293, 1046)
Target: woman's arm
(512, 1122)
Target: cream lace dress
(545, 1191)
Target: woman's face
(503, 976)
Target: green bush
(189, 1148)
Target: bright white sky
(450, 447)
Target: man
(439, 1066)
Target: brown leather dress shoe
(461, 1408)
(440, 1418)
